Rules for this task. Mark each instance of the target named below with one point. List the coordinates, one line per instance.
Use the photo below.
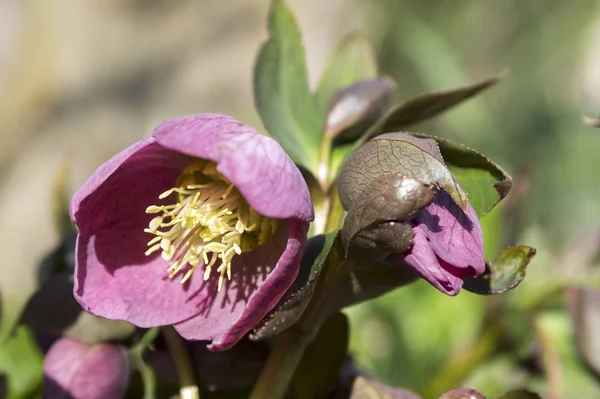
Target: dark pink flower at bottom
(447, 245)
(201, 226)
(73, 370)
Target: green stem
(183, 364)
(324, 158)
(462, 362)
(290, 345)
(146, 373)
(321, 216)
(148, 380)
(335, 212)
(285, 357)
(550, 359)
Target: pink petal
(73, 370)
(113, 276)
(115, 280)
(422, 257)
(259, 279)
(255, 164)
(447, 245)
(125, 185)
(454, 236)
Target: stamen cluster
(210, 223)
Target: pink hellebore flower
(201, 226)
(73, 370)
(447, 245)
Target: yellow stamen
(210, 222)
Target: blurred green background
(81, 80)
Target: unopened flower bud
(406, 208)
(73, 370)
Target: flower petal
(113, 277)
(255, 164)
(77, 371)
(125, 185)
(259, 279)
(455, 237)
(422, 257)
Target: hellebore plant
(201, 226)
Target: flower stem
(285, 357)
(321, 216)
(183, 364)
(290, 345)
(335, 214)
(146, 373)
(464, 361)
(324, 159)
(550, 359)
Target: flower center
(209, 224)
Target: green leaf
(322, 360)
(281, 90)
(418, 109)
(352, 61)
(21, 361)
(292, 305)
(520, 394)
(484, 180)
(502, 273)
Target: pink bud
(73, 370)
